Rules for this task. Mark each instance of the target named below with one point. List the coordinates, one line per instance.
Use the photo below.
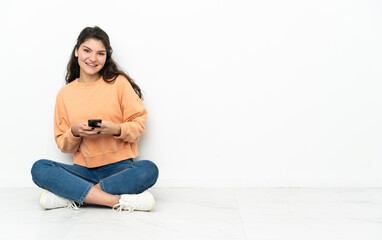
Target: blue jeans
(74, 182)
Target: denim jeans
(74, 182)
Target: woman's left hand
(108, 128)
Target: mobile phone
(93, 122)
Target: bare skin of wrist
(118, 131)
(73, 133)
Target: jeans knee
(38, 169)
(151, 171)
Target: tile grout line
(238, 208)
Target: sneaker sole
(42, 197)
(153, 199)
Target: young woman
(104, 172)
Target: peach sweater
(116, 102)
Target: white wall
(239, 93)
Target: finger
(88, 133)
(92, 135)
(87, 128)
(95, 132)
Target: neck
(84, 78)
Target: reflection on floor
(205, 213)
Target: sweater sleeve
(66, 141)
(134, 113)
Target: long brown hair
(110, 70)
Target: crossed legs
(102, 186)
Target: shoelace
(73, 206)
(122, 206)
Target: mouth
(91, 65)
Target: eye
(86, 50)
(101, 54)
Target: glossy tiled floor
(199, 213)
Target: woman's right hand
(82, 129)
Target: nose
(93, 57)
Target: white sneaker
(49, 200)
(141, 202)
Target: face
(91, 57)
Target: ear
(75, 53)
